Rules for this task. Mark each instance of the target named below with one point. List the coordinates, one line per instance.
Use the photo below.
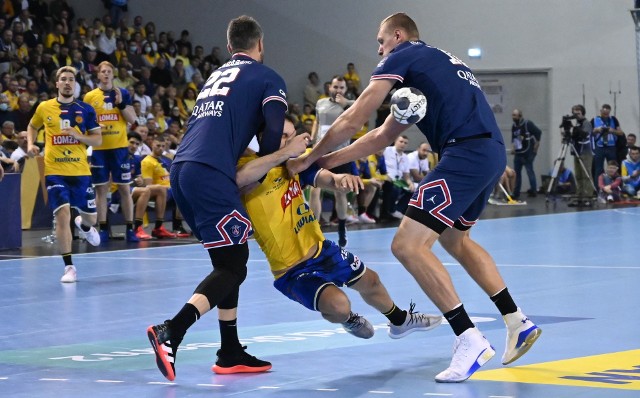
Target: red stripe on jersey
(275, 98)
(387, 77)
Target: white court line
(437, 394)
(380, 392)
(162, 383)
(500, 396)
(327, 389)
(210, 385)
(109, 381)
(4, 378)
(48, 379)
(520, 265)
(268, 388)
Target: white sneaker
(521, 334)
(70, 275)
(93, 237)
(415, 321)
(351, 219)
(471, 350)
(397, 214)
(365, 219)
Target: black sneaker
(165, 348)
(230, 362)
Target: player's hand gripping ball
(408, 105)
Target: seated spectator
(508, 181)
(396, 194)
(609, 184)
(140, 95)
(419, 162)
(9, 165)
(566, 183)
(352, 75)
(139, 191)
(307, 114)
(371, 187)
(21, 151)
(143, 149)
(631, 173)
(186, 104)
(155, 171)
(124, 79)
(141, 118)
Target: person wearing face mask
(5, 108)
(149, 56)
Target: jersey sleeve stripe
(388, 77)
(275, 98)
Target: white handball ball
(408, 105)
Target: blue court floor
(577, 275)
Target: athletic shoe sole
(526, 345)
(483, 358)
(239, 369)
(163, 364)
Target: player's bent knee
(232, 259)
(334, 304)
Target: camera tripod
(566, 145)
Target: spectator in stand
(631, 173)
(419, 162)
(631, 141)
(23, 147)
(307, 114)
(186, 104)
(160, 75)
(185, 41)
(312, 90)
(139, 95)
(13, 93)
(143, 149)
(124, 79)
(178, 78)
(215, 58)
(23, 114)
(610, 184)
(56, 36)
(352, 75)
(141, 118)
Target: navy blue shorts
(332, 266)
(114, 162)
(210, 203)
(75, 191)
(456, 191)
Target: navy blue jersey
(456, 105)
(229, 112)
(135, 162)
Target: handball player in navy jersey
(238, 100)
(460, 126)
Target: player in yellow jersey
(109, 161)
(308, 268)
(69, 127)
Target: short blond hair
(402, 21)
(64, 69)
(106, 63)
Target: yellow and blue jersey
(283, 223)
(156, 169)
(114, 132)
(63, 154)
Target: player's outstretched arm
(346, 125)
(339, 182)
(253, 171)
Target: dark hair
(243, 33)
(606, 106)
(311, 74)
(134, 135)
(631, 135)
(633, 148)
(339, 78)
(580, 108)
(612, 163)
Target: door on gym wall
(529, 92)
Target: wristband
(121, 106)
